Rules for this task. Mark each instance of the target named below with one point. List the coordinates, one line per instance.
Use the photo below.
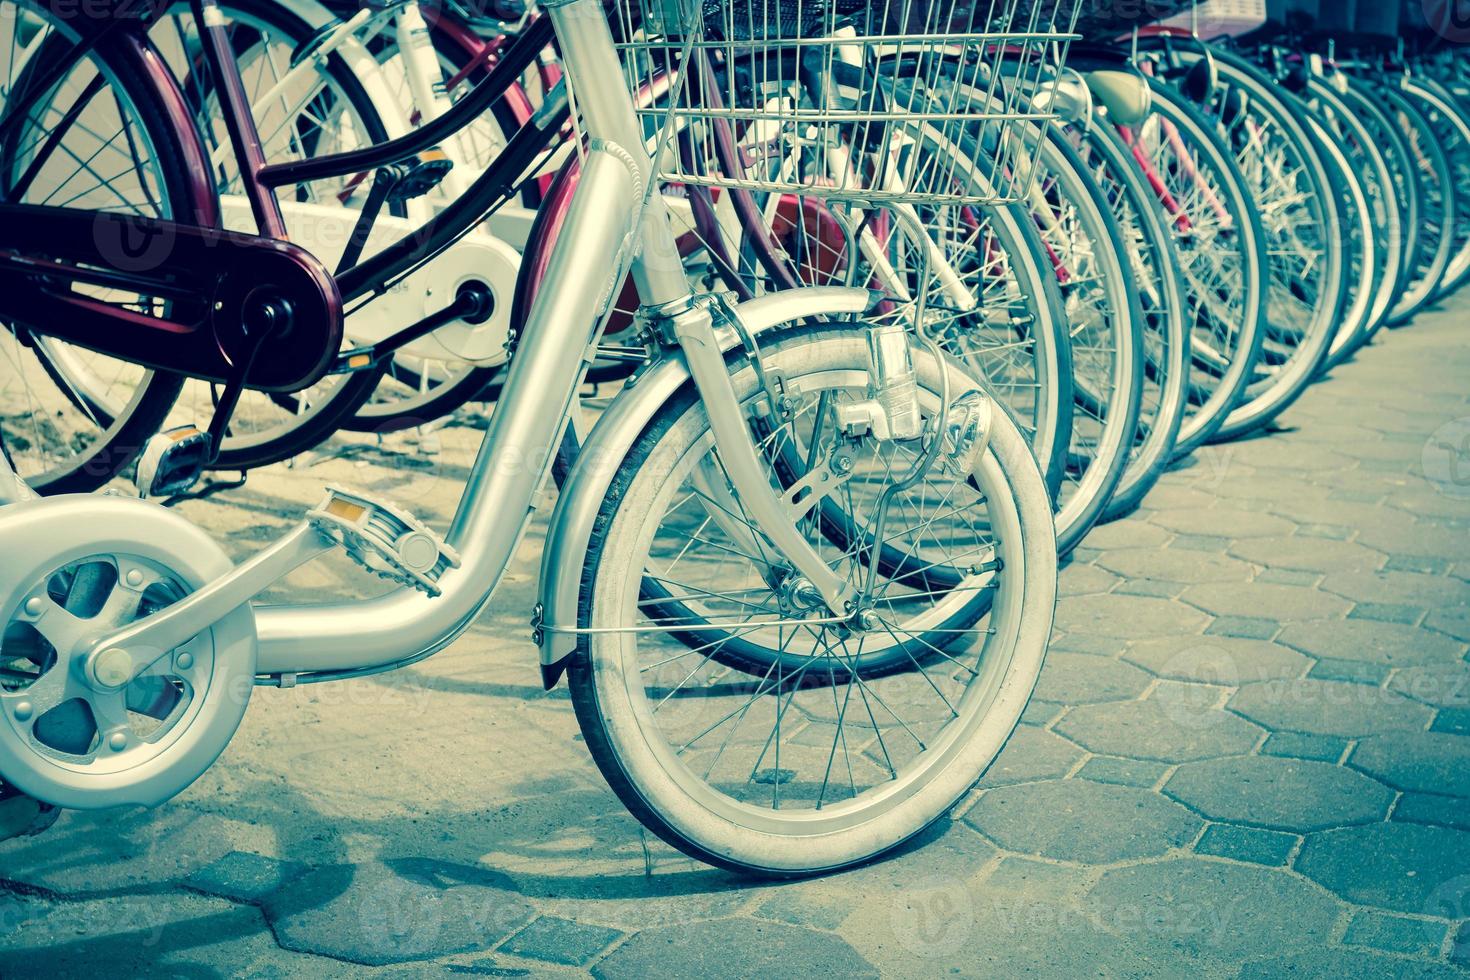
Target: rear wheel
(1104, 317)
(98, 137)
(324, 109)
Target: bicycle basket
(888, 101)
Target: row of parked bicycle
(896, 302)
(1216, 223)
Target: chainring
(77, 568)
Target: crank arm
(115, 659)
(473, 303)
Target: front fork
(692, 328)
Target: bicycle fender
(565, 552)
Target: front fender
(565, 552)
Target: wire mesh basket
(885, 101)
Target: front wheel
(810, 765)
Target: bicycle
(181, 644)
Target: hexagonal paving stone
(1127, 616)
(409, 909)
(1170, 565)
(1328, 708)
(243, 877)
(1451, 622)
(1269, 490)
(1167, 496)
(1334, 964)
(1074, 678)
(1425, 762)
(553, 940)
(1085, 580)
(1031, 754)
(1079, 820)
(1288, 454)
(1127, 533)
(156, 934)
(1217, 659)
(1232, 910)
(735, 948)
(1361, 639)
(106, 850)
(1316, 510)
(1308, 553)
(1282, 794)
(1415, 537)
(1411, 587)
(1279, 602)
(1442, 685)
(1225, 522)
(1402, 866)
(1164, 729)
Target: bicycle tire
(1222, 359)
(1299, 346)
(1161, 294)
(128, 429)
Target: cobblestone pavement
(1249, 755)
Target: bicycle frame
(615, 224)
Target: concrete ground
(1249, 754)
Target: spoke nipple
(35, 605)
(117, 742)
(135, 577)
(23, 711)
(185, 661)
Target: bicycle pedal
(386, 540)
(172, 461)
(421, 174)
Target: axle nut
(113, 668)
